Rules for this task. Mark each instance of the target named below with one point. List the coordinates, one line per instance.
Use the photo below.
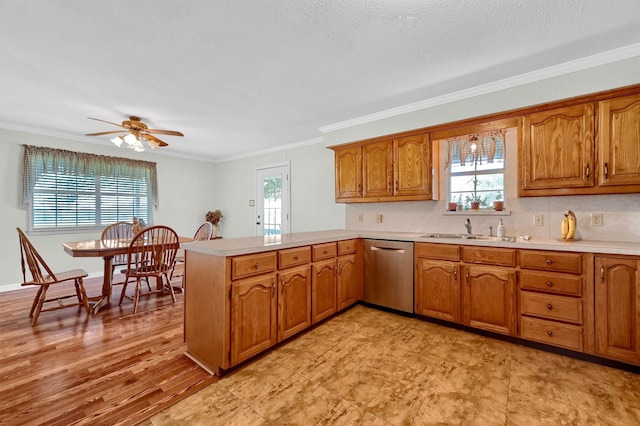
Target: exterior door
(272, 201)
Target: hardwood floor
(110, 368)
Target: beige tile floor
(375, 368)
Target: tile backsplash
(621, 217)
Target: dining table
(106, 249)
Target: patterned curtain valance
(37, 160)
(485, 147)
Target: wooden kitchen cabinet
(557, 149)
(348, 172)
(377, 166)
(391, 169)
(294, 301)
(349, 281)
(254, 310)
(412, 166)
(437, 289)
(617, 308)
(619, 141)
(554, 299)
(323, 290)
(489, 298)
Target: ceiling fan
(138, 132)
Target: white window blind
(65, 190)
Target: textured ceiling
(244, 76)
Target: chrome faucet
(467, 224)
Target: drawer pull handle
(549, 284)
(549, 306)
(257, 265)
(549, 262)
(295, 257)
(549, 333)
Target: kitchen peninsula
(245, 295)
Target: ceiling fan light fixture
(153, 144)
(117, 141)
(131, 140)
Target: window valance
(37, 161)
(485, 147)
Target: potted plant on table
(214, 216)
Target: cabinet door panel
(378, 169)
(347, 290)
(437, 292)
(617, 293)
(412, 173)
(489, 299)
(294, 301)
(323, 290)
(348, 172)
(619, 141)
(254, 313)
(557, 148)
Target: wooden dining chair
(152, 253)
(117, 231)
(43, 277)
(203, 232)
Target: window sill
(481, 212)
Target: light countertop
(246, 245)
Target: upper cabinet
(619, 141)
(590, 148)
(557, 149)
(396, 169)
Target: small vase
(475, 205)
(498, 205)
(453, 207)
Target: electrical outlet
(538, 219)
(596, 219)
(360, 217)
(379, 218)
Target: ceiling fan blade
(108, 122)
(164, 132)
(104, 133)
(153, 138)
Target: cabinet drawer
(437, 251)
(551, 306)
(324, 251)
(551, 261)
(252, 264)
(294, 257)
(489, 256)
(550, 282)
(552, 333)
(346, 247)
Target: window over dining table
(73, 191)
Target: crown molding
(615, 55)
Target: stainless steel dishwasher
(388, 274)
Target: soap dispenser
(500, 230)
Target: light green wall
(312, 190)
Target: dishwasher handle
(397, 250)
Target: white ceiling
(244, 76)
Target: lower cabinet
(437, 289)
(489, 299)
(617, 305)
(254, 307)
(294, 301)
(323, 293)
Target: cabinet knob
(295, 257)
(549, 333)
(549, 306)
(257, 265)
(549, 262)
(549, 284)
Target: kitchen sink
(468, 237)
